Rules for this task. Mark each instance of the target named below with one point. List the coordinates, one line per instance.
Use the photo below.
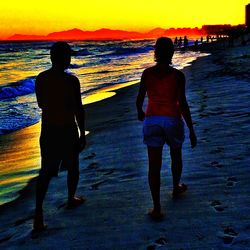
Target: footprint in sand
(107, 171)
(63, 205)
(6, 238)
(205, 139)
(159, 242)
(231, 181)
(45, 233)
(218, 206)
(248, 227)
(203, 115)
(228, 235)
(216, 164)
(217, 150)
(93, 165)
(91, 156)
(205, 130)
(238, 158)
(130, 176)
(111, 171)
(151, 247)
(23, 220)
(96, 185)
(199, 236)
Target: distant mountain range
(108, 34)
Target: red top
(162, 92)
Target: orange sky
(43, 17)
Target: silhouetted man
(58, 95)
(180, 42)
(185, 42)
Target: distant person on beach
(180, 42)
(185, 42)
(162, 122)
(176, 41)
(196, 44)
(58, 95)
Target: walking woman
(162, 121)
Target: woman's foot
(155, 214)
(75, 201)
(179, 190)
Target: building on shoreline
(216, 29)
(248, 17)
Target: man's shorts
(59, 148)
(158, 130)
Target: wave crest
(23, 87)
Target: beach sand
(213, 214)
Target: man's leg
(41, 189)
(43, 180)
(73, 176)
(72, 181)
(154, 178)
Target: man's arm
(38, 91)
(185, 111)
(140, 99)
(80, 115)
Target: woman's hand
(82, 142)
(193, 139)
(141, 116)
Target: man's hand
(82, 142)
(141, 116)
(193, 139)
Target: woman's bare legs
(176, 166)
(154, 178)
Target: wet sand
(213, 214)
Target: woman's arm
(185, 111)
(140, 99)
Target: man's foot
(75, 201)
(179, 190)
(155, 215)
(38, 224)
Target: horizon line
(44, 37)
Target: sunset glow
(43, 17)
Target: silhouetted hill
(101, 34)
(68, 34)
(184, 32)
(26, 37)
(77, 34)
(157, 32)
(104, 33)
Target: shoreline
(34, 131)
(7, 152)
(89, 125)
(113, 168)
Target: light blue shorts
(158, 130)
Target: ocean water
(97, 64)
